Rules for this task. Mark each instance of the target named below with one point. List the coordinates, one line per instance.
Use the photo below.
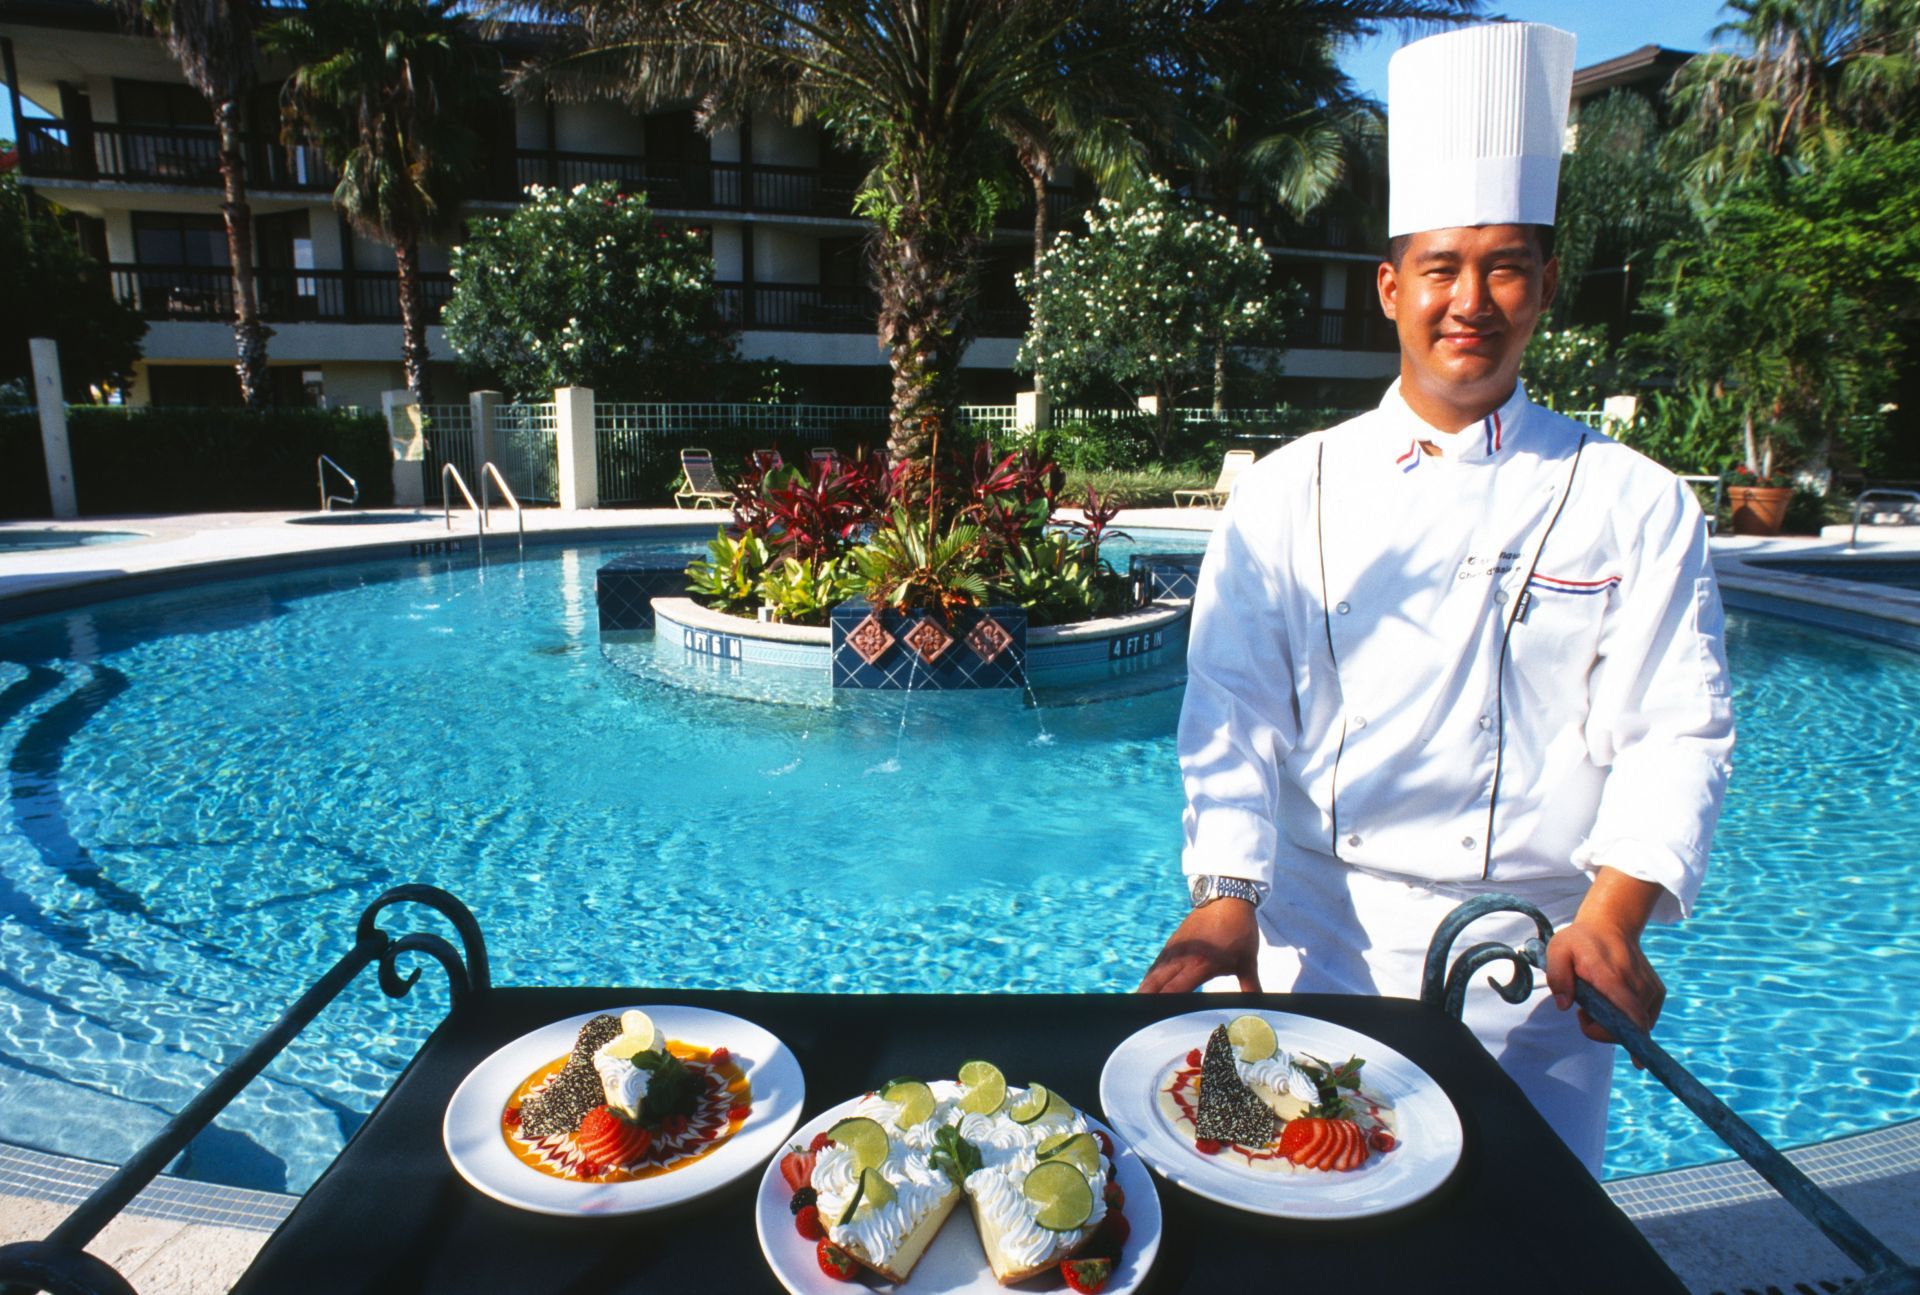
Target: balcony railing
(205, 293)
(174, 155)
(1352, 329)
(814, 308)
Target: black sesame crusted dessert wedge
(1229, 1110)
(561, 1106)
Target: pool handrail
(446, 505)
(1445, 987)
(327, 501)
(487, 470)
(61, 1264)
(1860, 503)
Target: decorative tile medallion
(870, 639)
(928, 639)
(988, 638)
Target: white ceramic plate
(480, 1153)
(954, 1262)
(1429, 1127)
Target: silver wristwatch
(1208, 888)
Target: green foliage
(167, 459)
(910, 563)
(1569, 369)
(584, 288)
(1056, 580)
(1143, 301)
(1685, 430)
(804, 593)
(53, 289)
(729, 580)
(1148, 487)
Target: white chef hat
(1476, 123)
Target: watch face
(1199, 890)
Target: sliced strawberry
(796, 1167)
(1320, 1155)
(1354, 1153)
(609, 1140)
(1295, 1136)
(1087, 1276)
(835, 1262)
(819, 1140)
(1308, 1141)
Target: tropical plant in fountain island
(958, 529)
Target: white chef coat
(1498, 667)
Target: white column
(51, 396)
(573, 421)
(409, 448)
(1032, 411)
(1149, 405)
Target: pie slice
(1229, 1110)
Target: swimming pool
(33, 540)
(1902, 573)
(208, 784)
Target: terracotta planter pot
(1759, 510)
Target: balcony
(1351, 329)
(204, 294)
(187, 157)
(813, 308)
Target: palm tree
(1811, 72)
(919, 86)
(387, 90)
(213, 42)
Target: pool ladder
(327, 501)
(481, 510)
(1860, 506)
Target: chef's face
(1465, 301)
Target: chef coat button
(1466, 843)
(1485, 723)
(1500, 595)
(1343, 609)
(1359, 721)
(1353, 840)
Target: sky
(1606, 28)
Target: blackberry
(804, 1197)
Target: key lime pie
(877, 1186)
(625, 1104)
(1246, 1097)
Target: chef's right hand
(1217, 939)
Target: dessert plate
(1428, 1126)
(954, 1262)
(480, 1154)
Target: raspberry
(739, 1112)
(719, 1057)
(1193, 1058)
(588, 1169)
(807, 1223)
(1106, 1143)
(1206, 1146)
(801, 1199)
(1381, 1140)
(511, 1117)
(819, 1140)
(1116, 1198)
(835, 1262)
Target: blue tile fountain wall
(1163, 575)
(625, 588)
(960, 665)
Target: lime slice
(636, 1035)
(986, 1088)
(875, 1190)
(853, 1202)
(864, 1138)
(1032, 1106)
(1060, 1191)
(915, 1099)
(1074, 1148)
(1252, 1037)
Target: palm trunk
(1751, 452)
(1220, 379)
(926, 278)
(413, 317)
(249, 334)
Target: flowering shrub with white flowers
(583, 287)
(1145, 300)
(1570, 368)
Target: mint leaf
(954, 1156)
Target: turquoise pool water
(32, 540)
(207, 785)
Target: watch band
(1206, 888)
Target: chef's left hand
(1602, 947)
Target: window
(179, 238)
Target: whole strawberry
(835, 1262)
(1086, 1275)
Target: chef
(1459, 644)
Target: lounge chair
(704, 487)
(766, 461)
(825, 455)
(1236, 462)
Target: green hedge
(174, 460)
